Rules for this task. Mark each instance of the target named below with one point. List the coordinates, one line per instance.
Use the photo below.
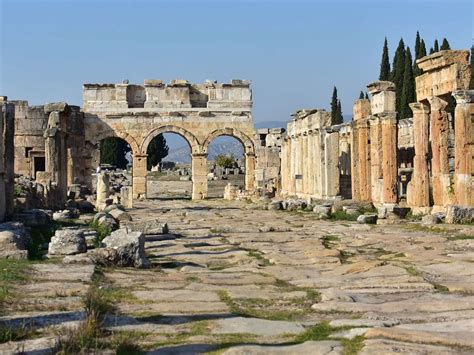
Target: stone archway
(249, 149)
(194, 145)
(93, 142)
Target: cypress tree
(471, 85)
(366, 96)
(334, 106)
(398, 70)
(340, 118)
(361, 95)
(417, 45)
(445, 45)
(422, 49)
(408, 90)
(385, 63)
(156, 151)
(436, 46)
(431, 50)
(113, 151)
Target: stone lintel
(464, 96)
(442, 59)
(263, 130)
(379, 86)
(55, 106)
(98, 86)
(240, 83)
(178, 83)
(153, 82)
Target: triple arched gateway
(197, 112)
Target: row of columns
(309, 166)
(431, 128)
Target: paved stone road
(235, 279)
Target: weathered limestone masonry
(267, 151)
(435, 185)
(197, 112)
(383, 138)
(310, 156)
(7, 131)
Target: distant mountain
(227, 145)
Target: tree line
(402, 72)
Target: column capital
(419, 108)
(464, 96)
(437, 103)
(388, 117)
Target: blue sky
(292, 51)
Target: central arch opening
(169, 167)
(226, 165)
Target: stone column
(102, 190)
(331, 166)
(56, 160)
(355, 163)
(249, 171)
(8, 156)
(299, 165)
(139, 173)
(70, 166)
(320, 177)
(304, 163)
(291, 179)
(439, 148)
(420, 184)
(2, 167)
(310, 163)
(376, 160)
(283, 167)
(464, 148)
(389, 156)
(364, 159)
(199, 176)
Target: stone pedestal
(419, 188)
(139, 172)
(199, 176)
(389, 157)
(464, 148)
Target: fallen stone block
(122, 248)
(147, 227)
(13, 241)
(67, 242)
(458, 214)
(367, 219)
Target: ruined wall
(267, 152)
(30, 123)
